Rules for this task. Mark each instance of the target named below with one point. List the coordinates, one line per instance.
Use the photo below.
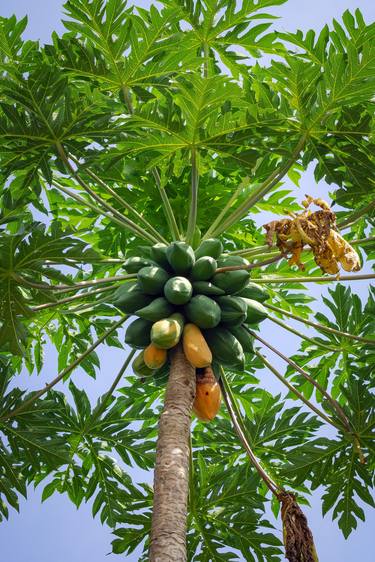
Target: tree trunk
(171, 480)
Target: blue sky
(55, 530)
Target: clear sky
(55, 530)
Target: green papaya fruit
(129, 297)
(159, 255)
(135, 263)
(203, 269)
(159, 308)
(255, 292)
(180, 257)
(203, 312)
(206, 288)
(210, 247)
(243, 336)
(152, 279)
(178, 290)
(256, 312)
(233, 310)
(225, 347)
(138, 333)
(166, 333)
(226, 260)
(231, 281)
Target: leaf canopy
(103, 132)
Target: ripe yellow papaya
(195, 347)
(154, 357)
(207, 397)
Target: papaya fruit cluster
(178, 295)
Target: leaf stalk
(240, 428)
(36, 395)
(336, 407)
(318, 326)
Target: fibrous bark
(298, 539)
(171, 480)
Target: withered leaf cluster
(319, 231)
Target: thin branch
(103, 403)
(303, 336)
(193, 207)
(362, 241)
(263, 189)
(356, 215)
(124, 221)
(251, 265)
(97, 210)
(263, 251)
(295, 391)
(335, 405)
(254, 250)
(71, 299)
(240, 428)
(84, 259)
(312, 279)
(36, 395)
(167, 208)
(224, 211)
(206, 53)
(84, 307)
(318, 326)
(120, 200)
(127, 99)
(74, 287)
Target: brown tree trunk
(171, 480)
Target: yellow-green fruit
(195, 347)
(166, 333)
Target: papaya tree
(139, 150)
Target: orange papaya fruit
(207, 397)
